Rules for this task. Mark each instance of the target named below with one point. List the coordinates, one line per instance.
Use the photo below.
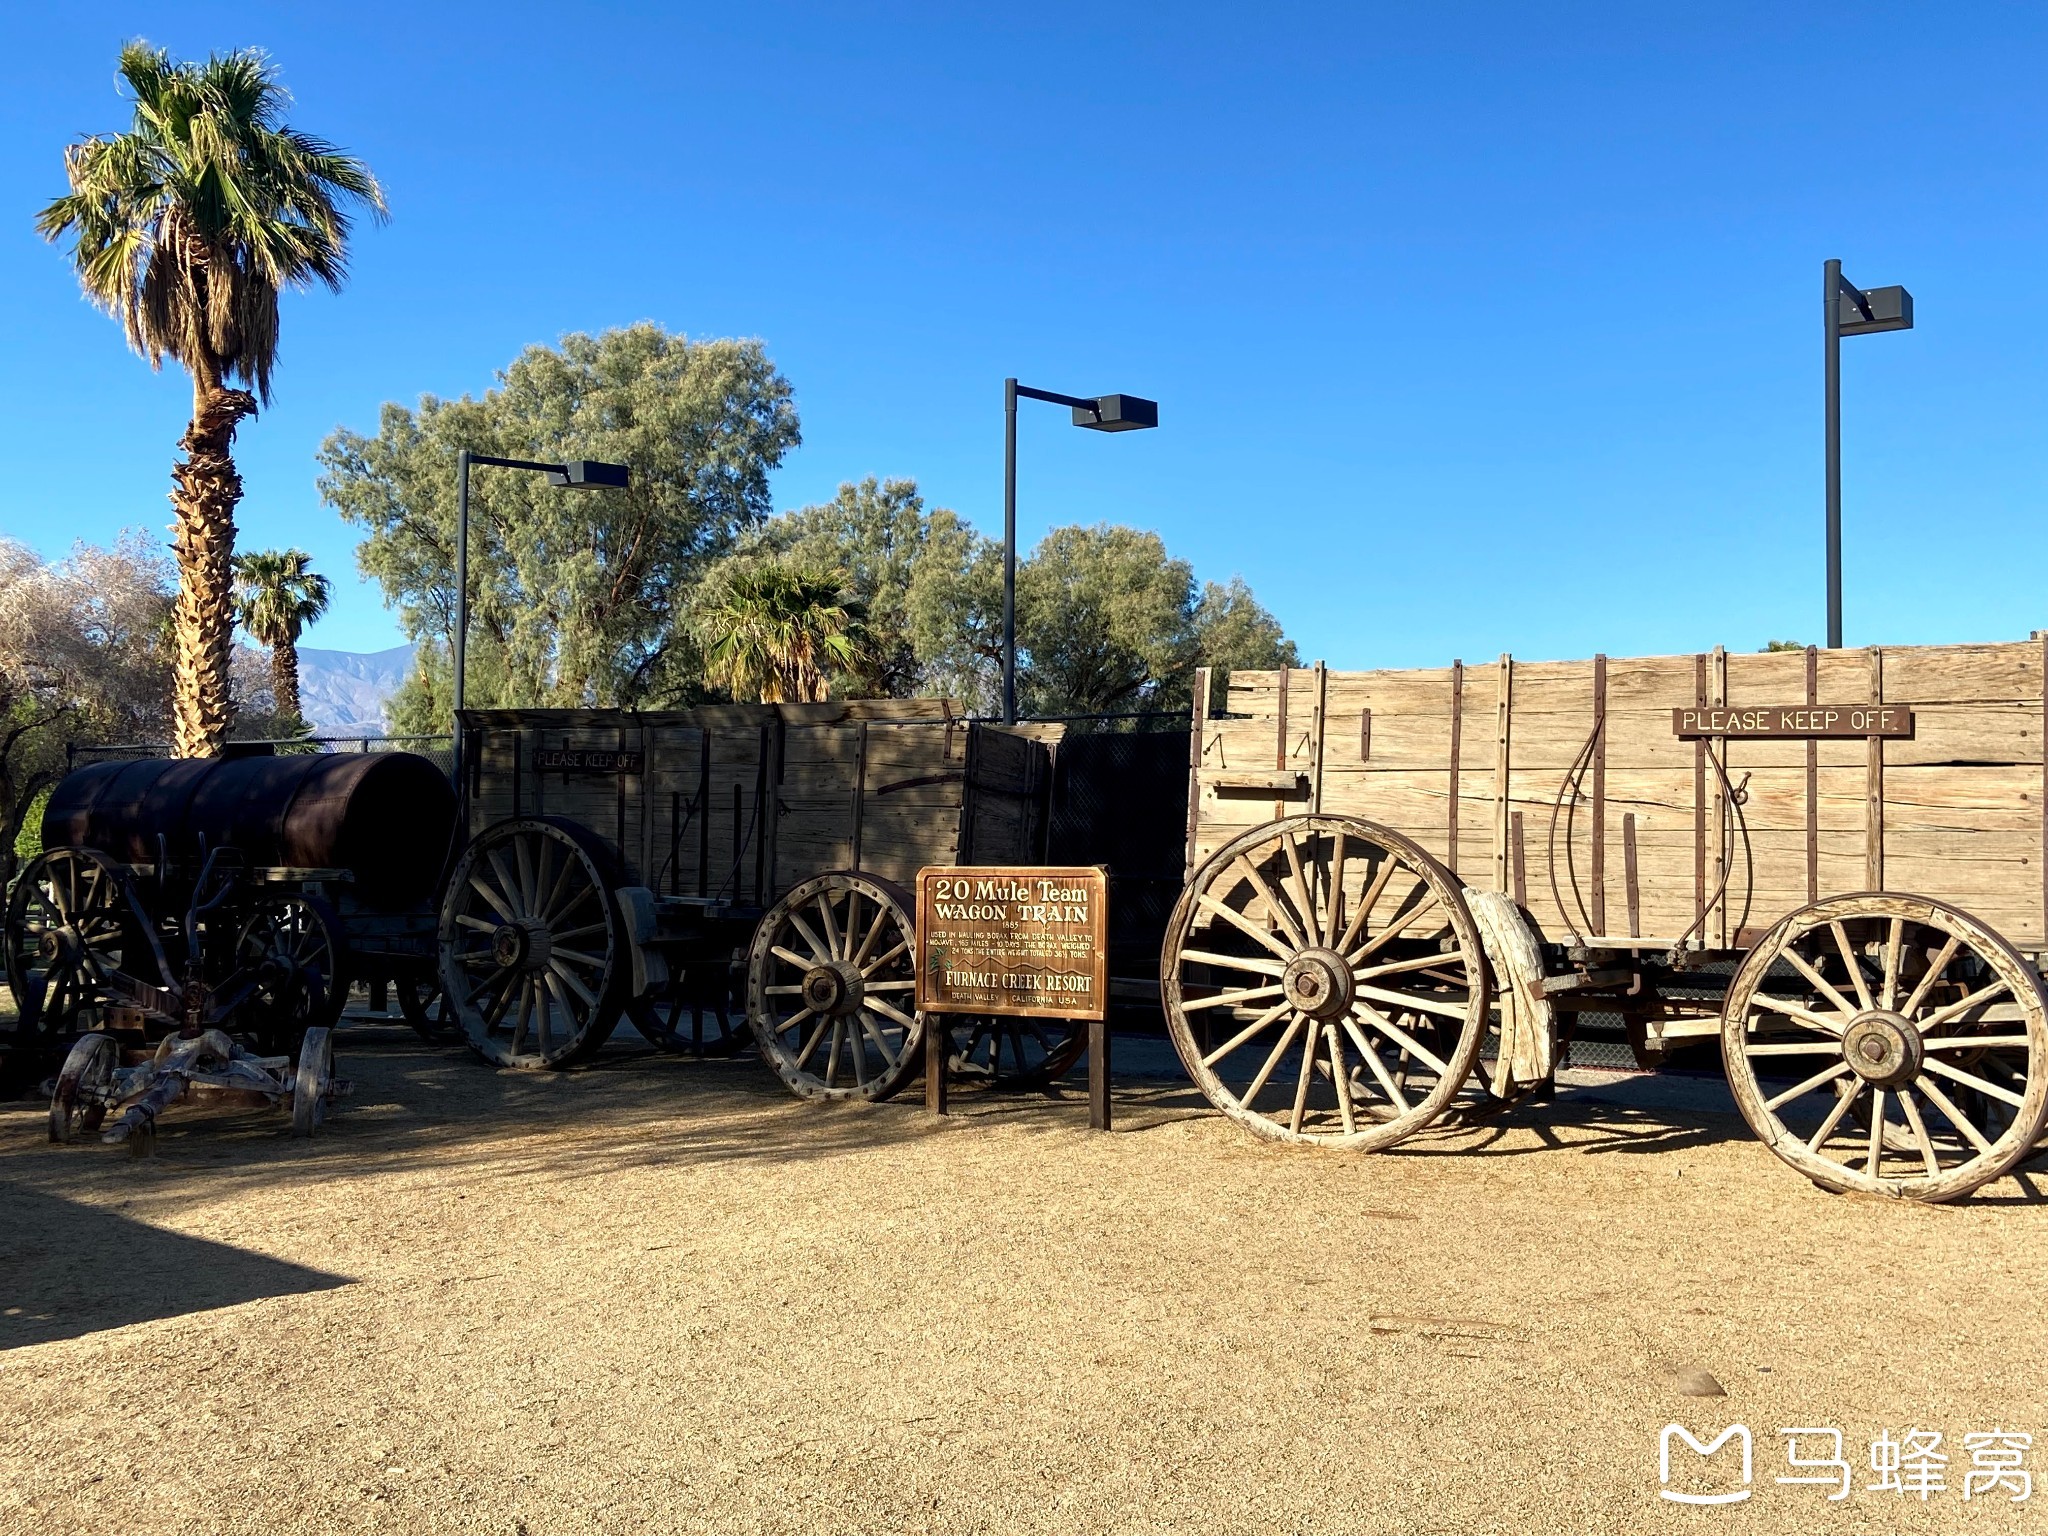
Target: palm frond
(189, 224)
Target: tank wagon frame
(1403, 887)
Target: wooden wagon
(684, 869)
(1402, 885)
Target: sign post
(1028, 942)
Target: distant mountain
(343, 693)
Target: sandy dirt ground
(659, 1295)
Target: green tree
(1104, 621)
(575, 599)
(186, 227)
(1233, 632)
(773, 629)
(278, 595)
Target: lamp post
(1098, 413)
(1847, 310)
(575, 475)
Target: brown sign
(1793, 720)
(1028, 941)
(583, 760)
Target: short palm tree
(277, 595)
(186, 227)
(771, 629)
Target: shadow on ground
(68, 1268)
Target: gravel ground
(658, 1295)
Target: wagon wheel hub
(1883, 1048)
(523, 944)
(59, 944)
(833, 988)
(1317, 982)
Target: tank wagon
(1403, 886)
(228, 901)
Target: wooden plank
(1599, 873)
(1457, 741)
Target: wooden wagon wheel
(1324, 982)
(1905, 1016)
(293, 946)
(1014, 1052)
(831, 983)
(69, 927)
(85, 1087)
(311, 1082)
(423, 1005)
(532, 949)
(692, 1014)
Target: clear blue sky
(1474, 327)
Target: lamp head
(1118, 413)
(590, 475)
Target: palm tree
(277, 595)
(186, 227)
(770, 629)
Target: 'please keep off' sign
(1793, 720)
(1027, 941)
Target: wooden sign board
(1026, 941)
(584, 760)
(1797, 721)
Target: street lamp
(576, 475)
(1099, 413)
(1847, 310)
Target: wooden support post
(860, 784)
(937, 1041)
(1198, 728)
(1098, 1075)
(645, 779)
(1503, 760)
(1457, 741)
(1723, 811)
(703, 813)
(1315, 793)
(1873, 787)
(380, 999)
(1628, 874)
(1699, 803)
(1600, 794)
(1280, 737)
(1812, 782)
(1521, 864)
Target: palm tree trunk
(284, 678)
(203, 620)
